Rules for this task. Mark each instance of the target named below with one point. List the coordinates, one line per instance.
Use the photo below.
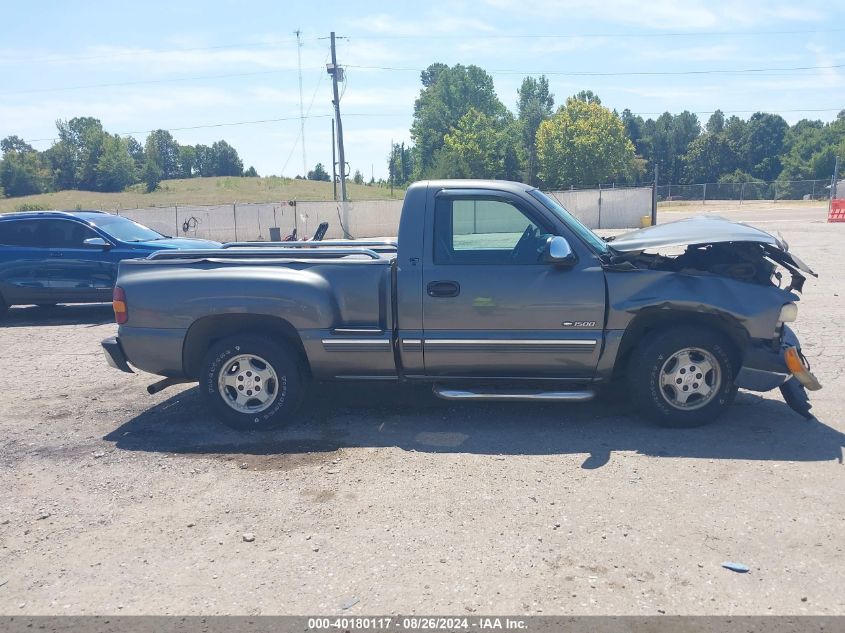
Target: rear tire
(683, 377)
(252, 383)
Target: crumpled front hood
(702, 229)
(705, 229)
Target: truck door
(492, 308)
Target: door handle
(443, 289)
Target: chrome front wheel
(690, 379)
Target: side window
(67, 234)
(485, 231)
(26, 233)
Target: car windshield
(124, 229)
(573, 223)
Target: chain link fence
(745, 192)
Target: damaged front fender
(756, 308)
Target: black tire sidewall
(647, 362)
(282, 359)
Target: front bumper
(115, 355)
(766, 367)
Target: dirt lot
(381, 500)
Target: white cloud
(668, 15)
(442, 23)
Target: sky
(211, 70)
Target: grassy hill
(221, 190)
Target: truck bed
(337, 297)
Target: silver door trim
(355, 344)
(514, 341)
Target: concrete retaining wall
(606, 209)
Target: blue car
(49, 257)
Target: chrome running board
(515, 395)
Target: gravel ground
(386, 500)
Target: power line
(718, 71)
(135, 51)
(578, 73)
(302, 137)
(301, 113)
(239, 123)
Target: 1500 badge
(579, 324)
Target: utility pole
(301, 111)
(337, 74)
(834, 180)
(334, 166)
(654, 198)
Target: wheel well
(650, 320)
(204, 332)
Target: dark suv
(49, 257)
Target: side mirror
(96, 242)
(558, 251)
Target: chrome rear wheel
(248, 383)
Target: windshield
(125, 230)
(573, 223)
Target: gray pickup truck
(492, 292)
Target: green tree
(75, 156)
(136, 151)
(204, 164)
(534, 105)
(151, 175)
(587, 96)
(479, 147)
(811, 148)
(584, 143)
(716, 123)
(358, 178)
(400, 165)
(116, 168)
(251, 173)
(447, 95)
(707, 158)
(634, 129)
(226, 160)
(22, 169)
(763, 144)
(666, 140)
(319, 173)
(161, 145)
(187, 161)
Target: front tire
(683, 377)
(252, 383)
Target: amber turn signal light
(118, 303)
(794, 363)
